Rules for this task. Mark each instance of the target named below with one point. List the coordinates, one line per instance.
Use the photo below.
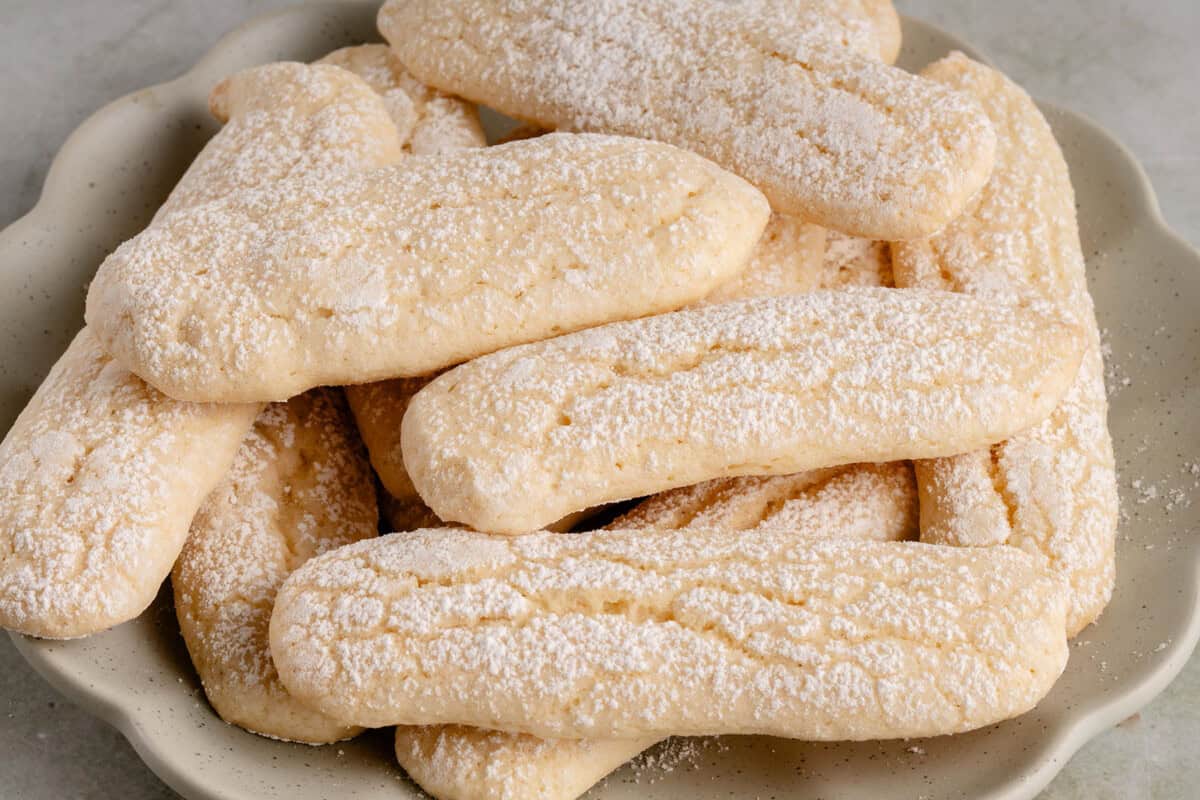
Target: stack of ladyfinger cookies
(826, 319)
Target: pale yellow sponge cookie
(99, 478)
(427, 121)
(455, 762)
(101, 474)
(299, 486)
(408, 269)
(767, 90)
(1051, 489)
(634, 634)
(514, 440)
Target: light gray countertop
(1131, 66)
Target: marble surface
(1131, 66)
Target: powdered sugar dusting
(754, 387)
(407, 269)
(457, 761)
(286, 120)
(299, 486)
(827, 134)
(860, 501)
(1052, 489)
(102, 473)
(636, 633)
(97, 495)
(428, 121)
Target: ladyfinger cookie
(858, 501)
(1051, 489)
(829, 135)
(872, 501)
(96, 494)
(408, 269)
(633, 634)
(868, 501)
(282, 120)
(428, 121)
(788, 259)
(768, 386)
(300, 485)
(456, 762)
(101, 474)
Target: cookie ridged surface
(427, 121)
(790, 258)
(631, 634)
(407, 269)
(516, 439)
(865, 501)
(99, 478)
(828, 134)
(1051, 489)
(858, 501)
(461, 763)
(299, 486)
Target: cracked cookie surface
(299, 486)
(101, 474)
(512, 441)
(630, 634)
(1051, 489)
(99, 478)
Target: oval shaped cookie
(1051, 489)
(408, 269)
(875, 501)
(516, 439)
(99, 477)
(283, 120)
(827, 134)
(101, 474)
(299, 486)
(629, 634)
(786, 260)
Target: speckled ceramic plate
(115, 170)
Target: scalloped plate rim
(1057, 748)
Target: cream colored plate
(113, 172)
